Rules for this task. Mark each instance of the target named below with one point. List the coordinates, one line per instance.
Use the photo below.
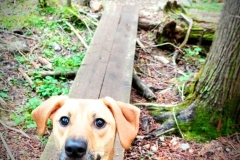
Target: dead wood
(54, 73)
(9, 152)
(44, 62)
(25, 76)
(142, 87)
(18, 35)
(147, 24)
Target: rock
(185, 146)
(15, 46)
(56, 46)
(154, 148)
(147, 146)
(95, 6)
(227, 149)
(190, 150)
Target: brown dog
(85, 129)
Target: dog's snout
(75, 148)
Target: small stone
(161, 138)
(164, 144)
(154, 148)
(227, 149)
(185, 146)
(190, 150)
(147, 146)
(56, 46)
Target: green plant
(71, 63)
(49, 86)
(23, 115)
(3, 93)
(193, 55)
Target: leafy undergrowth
(46, 48)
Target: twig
(170, 130)
(175, 119)
(14, 129)
(79, 37)
(190, 24)
(6, 147)
(81, 20)
(156, 105)
(54, 73)
(168, 43)
(18, 35)
(142, 46)
(181, 90)
(25, 76)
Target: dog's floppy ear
(127, 120)
(44, 111)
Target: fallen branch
(28, 79)
(78, 35)
(53, 73)
(6, 147)
(18, 35)
(14, 129)
(143, 88)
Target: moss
(210, 124)
(199, 129)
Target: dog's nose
(75, 148)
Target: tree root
(186, 115)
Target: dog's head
(86, 128)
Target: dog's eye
(64, 121)
(99, 123)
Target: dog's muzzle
(75, 148)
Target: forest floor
(166, 80)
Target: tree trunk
(218, 88)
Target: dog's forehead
(83, 104)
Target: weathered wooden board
(88, 81)
(118, 79)
(107, 67)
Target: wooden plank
(118, 79)
(88, 82)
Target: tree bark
(218, 89)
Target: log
(142, 88)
